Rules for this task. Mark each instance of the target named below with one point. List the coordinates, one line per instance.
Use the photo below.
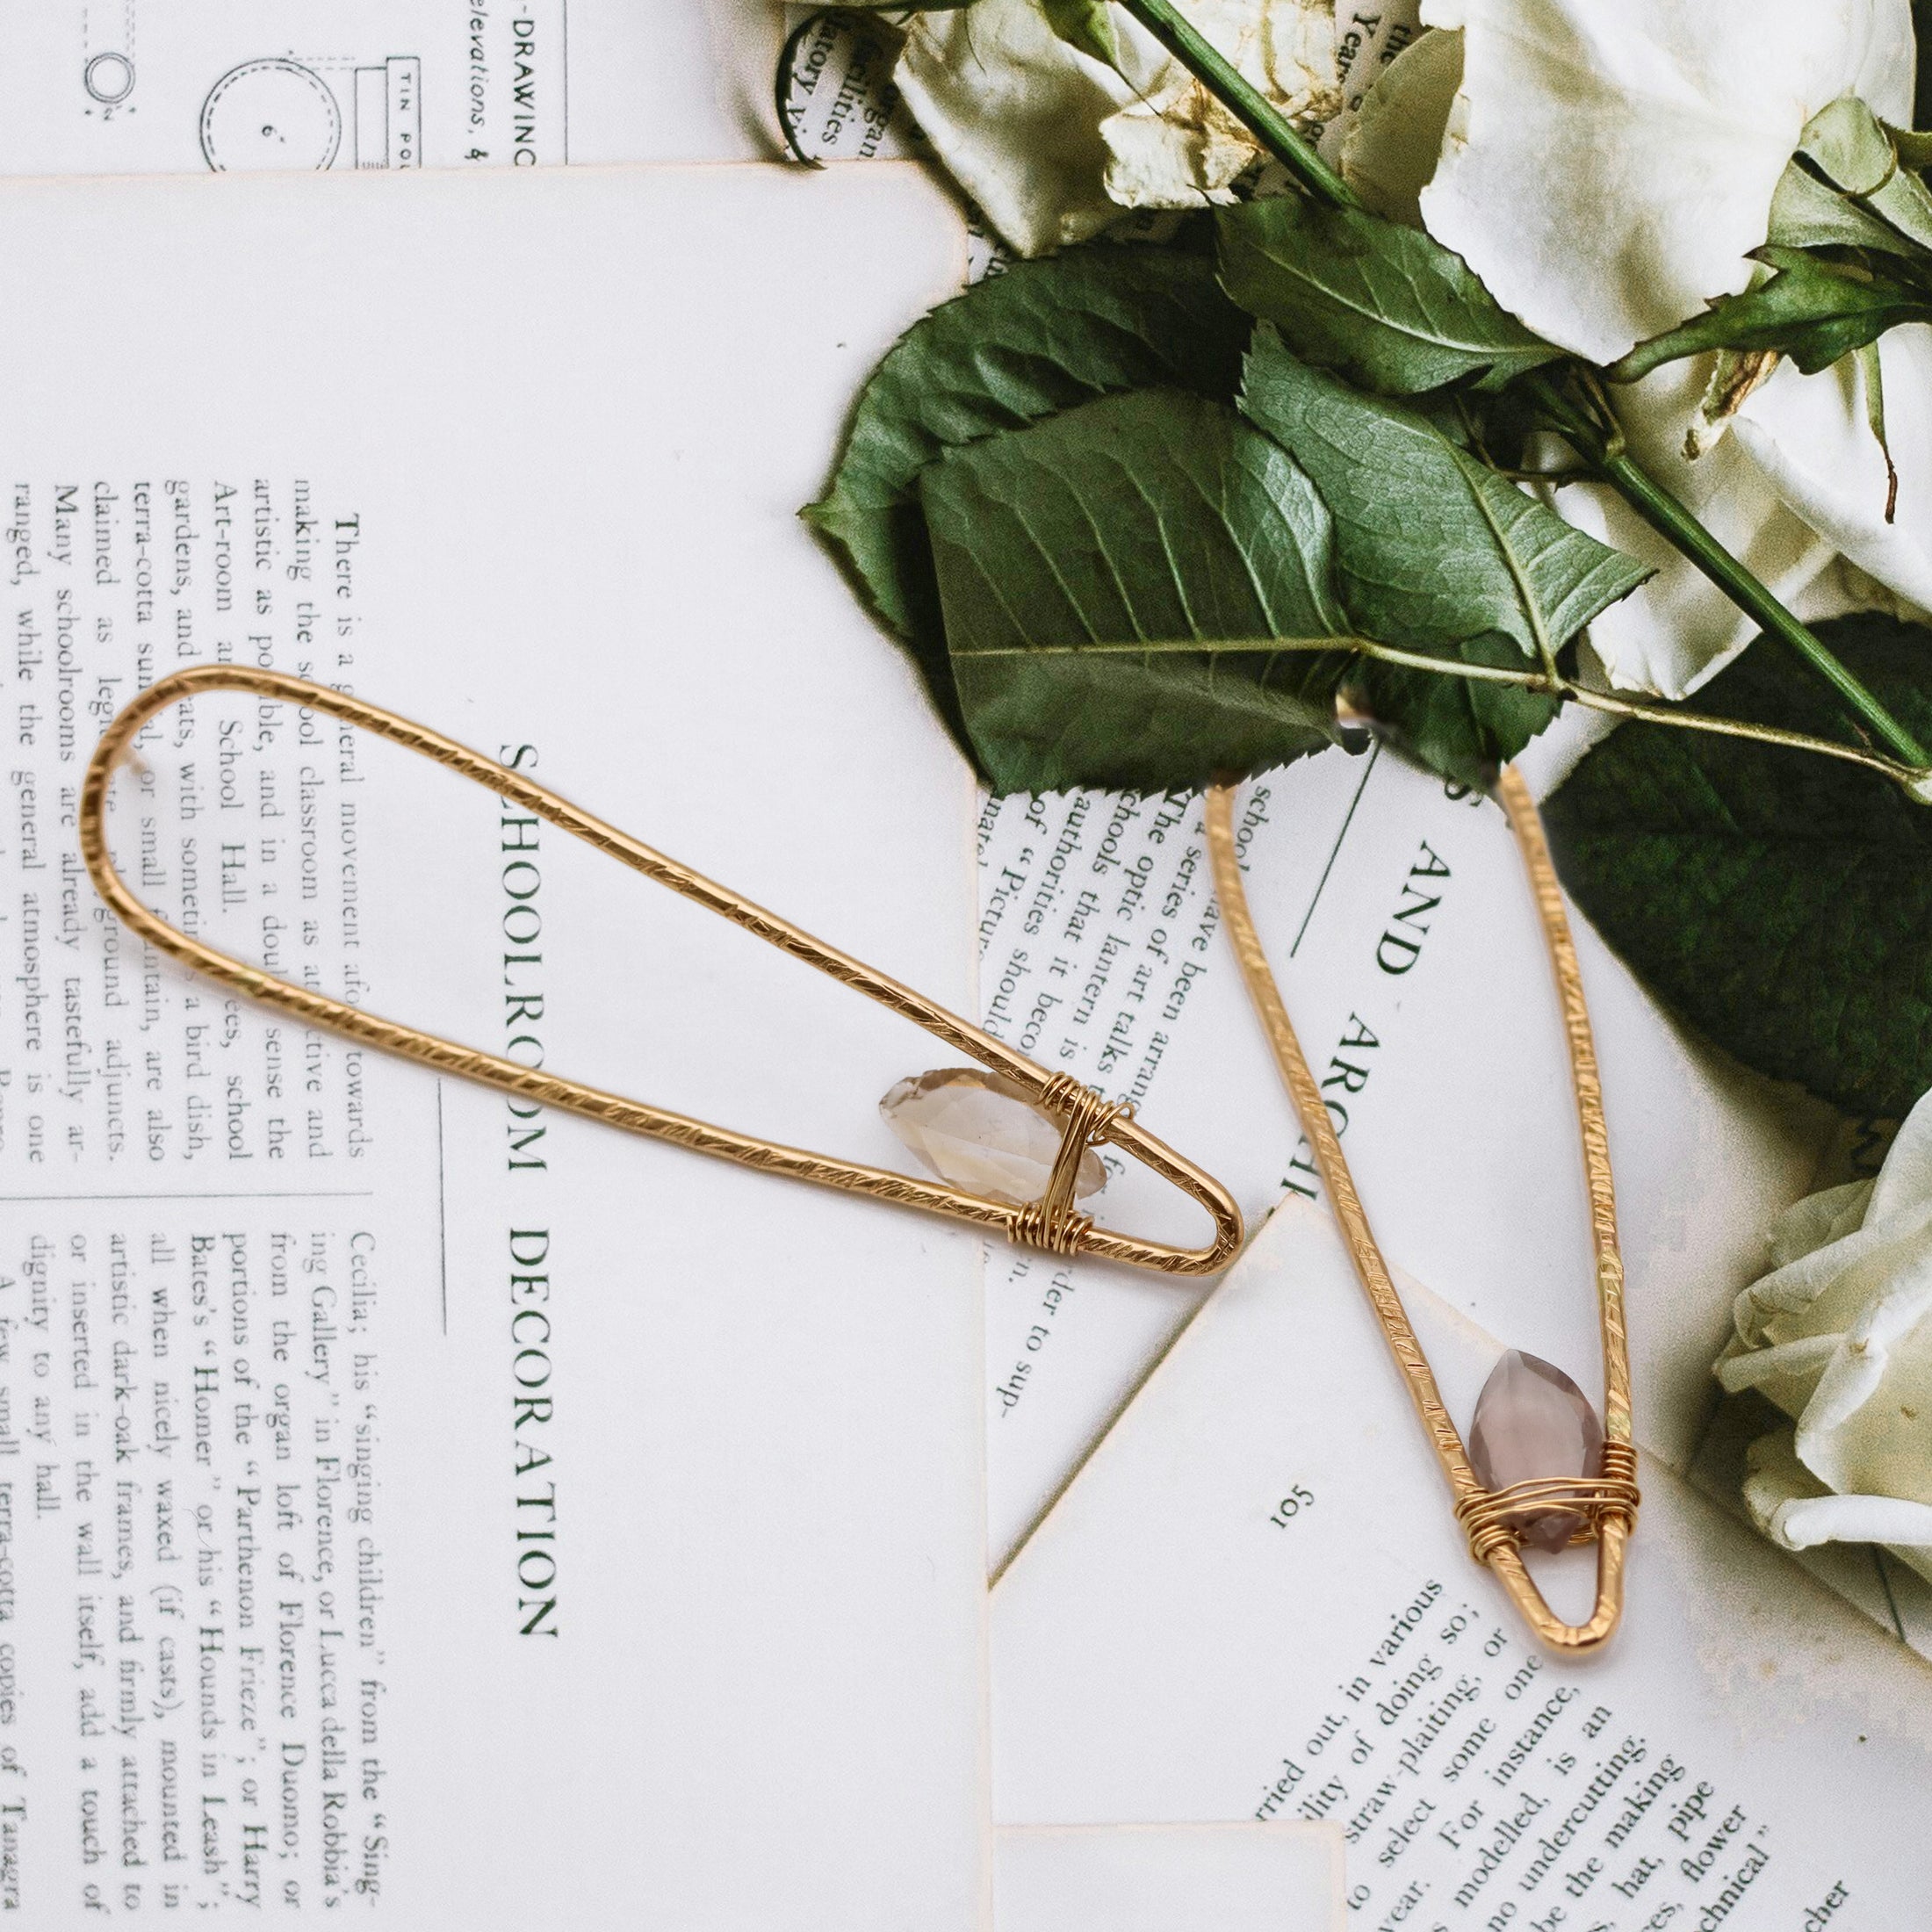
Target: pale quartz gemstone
(981, 1133)
(1532, 1424)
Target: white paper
(138, 86)
(1168, 1878)
(296, 1612)
(1254, 1602)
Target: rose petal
(1868, 1422)
(1612, 165)
(1809, 436)
(1678, 628)
(1905, 1182)
(1811, 1223)
(1774, 1477)
(1015, 114)
(1177, 147)
(1824, 1291)
(1391, 152)
(1180, 149)
(1785, 1502)
(1802, 1523)
(1804, 1359)
(1053, 144)
(1842, 1337)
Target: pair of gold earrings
(1601, 1503)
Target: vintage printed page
(1254, 1604)
(135, 86)
(412, 1501)
(1247, 1878)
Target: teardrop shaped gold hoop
(1087, 1120)
(1492, 1520)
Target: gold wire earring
(1602, 1503)
(1086, 1119)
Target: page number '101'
(1298, 1499)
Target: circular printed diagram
(270, 114)
(109, 78)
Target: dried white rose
(1678, 628)
(1612, 166)
(1389, 156)
(1053, 144)
(1178, 147)
(1015, 114)
(1621, 223)
(1839, 1334)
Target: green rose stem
(1673, 521)
(1555, 684)
(1597, 447)
(1221, 78)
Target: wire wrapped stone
(1052, 1222)
(1493, 1519)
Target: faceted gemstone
(982, 1133)
(1533, 1423)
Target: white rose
(1607, 170)
(1053, 144)
(1839, 1334)
(1612, 167)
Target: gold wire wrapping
(1492, 1520)
(1049, 1223)
(1052, 1222)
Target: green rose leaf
(1458, 726)
(1086, 26)
(1813, 310)
(1042, 337)
(1436, 552)
(1388, 307)
(1780, 903)
(1111, 581)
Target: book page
(139, 86)
(1157, 1877)
(1254, 1604)
(415, 1503)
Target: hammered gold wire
(1087, 1119)
(1606, 1505)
